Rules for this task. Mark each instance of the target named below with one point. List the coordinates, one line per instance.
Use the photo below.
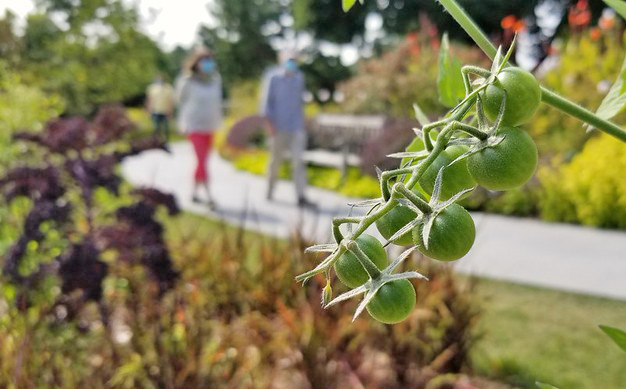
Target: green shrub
(23, 107)
(590, 190)
(407, 74)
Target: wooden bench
(336, 140)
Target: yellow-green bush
(23, 107)
(591, 189)
(355, 184)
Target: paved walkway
(558, 256)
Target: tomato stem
(338, 221)
(387, 175)
(473, 131)
(363, 259)
(412, 197)
(582, 114)
(470, 69)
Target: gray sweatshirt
(199, 104)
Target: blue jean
(160, 123)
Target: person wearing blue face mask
(282, 106)
(291, 66)
(207, 66)
(199, 98)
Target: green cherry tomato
(393, 221)
(451, 235)
(393, 302)
(456, 177)
(348, 267)
(523, 95)
(506, 165)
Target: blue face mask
(291, 66)
(207, 66)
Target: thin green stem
(582, 114)
(470, 69)
(426, 132)
(440, 145)
(387, 175)
(461, 17)
(363, 259)
(338, 221)
(473, 131)
(548, 97)
(412, 197)
(371, 218)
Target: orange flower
(579, 16)
(595, 33)
(508, 22)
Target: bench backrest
(338, 131)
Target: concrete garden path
(557, 256)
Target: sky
(169, 22)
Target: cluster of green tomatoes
(479, 142)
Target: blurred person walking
(282, 106)
(160, 105)
(199, 98)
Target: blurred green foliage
(90, 52)
(584, 73)
(235, 319)
(402, 76)
(23, 107)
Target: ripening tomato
(523, 95)
(451, 235)
(393, 302)
(349, 269)
(507, 165)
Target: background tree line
(93, 51)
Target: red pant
(202, 143)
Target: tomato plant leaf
(614, 102)
(347, 4)
(618, 5)
(420, 115)
(450, 79)
(618, 336)
(542, 385)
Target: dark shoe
(304, 203)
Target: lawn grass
(531, 333)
